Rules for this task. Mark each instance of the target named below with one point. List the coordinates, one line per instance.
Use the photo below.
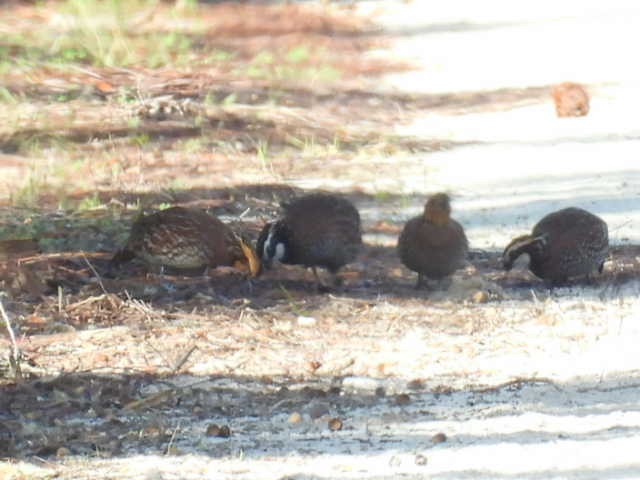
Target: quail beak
(254, 263)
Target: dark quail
(316, 230)
(564, 244)
(433, 244)
(187, 239)
(571, 99)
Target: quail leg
(321, 287)
(422, 282)
(249, 282)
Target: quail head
(569, 243)
(316, 230)
(433, 244)
(187, 239)
(571, 99)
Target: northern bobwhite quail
(571, 99)
(433, 244)
(316, 230)
(564, 244)
(187, 239)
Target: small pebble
(295, 417)
(152, 430)
(439, 438)
(63, 452)
(421, 460)
(335, 424)
(415, 384)
(214, 430)
(314, 365)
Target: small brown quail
(433, 244)
(571, 99)
(187, 239)
(564, 244)
(316, 230)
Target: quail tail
(122, 256)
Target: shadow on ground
(118, 415)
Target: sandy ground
(535, 385)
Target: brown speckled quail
(564, 244)
(433, 244)
(316, 230)
(187, 239)
(571, 99)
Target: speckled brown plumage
(433, 244)
(187, 239)
(571, 99)
(569, 243)
(317, 230)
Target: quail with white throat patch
(316, 230)
(433, 244)
(187, 240)
(569, 243)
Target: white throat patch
(279, 252)
(522, 262)
(267, 242)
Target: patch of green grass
(177, 184)
(262, 153)
(186, 6)
(211, 99)
(310, 147)
(298, 54)
(173, 49)
(294, 65)
(28, 195)
(134, 122)
(229, 100)
(140, 139)
(382, 196)
(7, 97)
(194, 145)
(100, 33)
(218, 56)
(90, 203)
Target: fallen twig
(518, 382)
(173, 436)
(95, 272)
(14, 358)
(184, 359)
